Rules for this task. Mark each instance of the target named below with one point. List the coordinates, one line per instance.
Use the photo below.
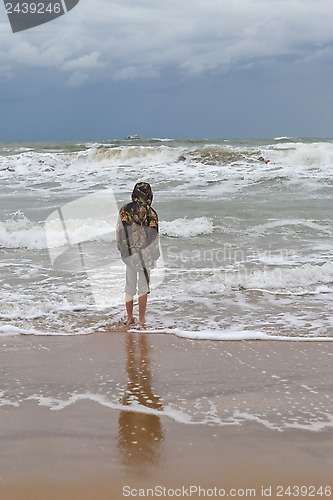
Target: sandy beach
(104, 415)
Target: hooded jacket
(137, 228)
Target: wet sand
(68, 430)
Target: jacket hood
(142, 193)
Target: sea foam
(232, 335)
(186, 228)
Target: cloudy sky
(170, 68)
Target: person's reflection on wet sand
(140, 433)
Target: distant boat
(134, 137)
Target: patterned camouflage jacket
(137, 233)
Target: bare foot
(129, 322)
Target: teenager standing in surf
(137, 241)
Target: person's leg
(130, 290)
(129, 309)
(143, 290)
(142, 309)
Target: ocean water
(247, 245)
